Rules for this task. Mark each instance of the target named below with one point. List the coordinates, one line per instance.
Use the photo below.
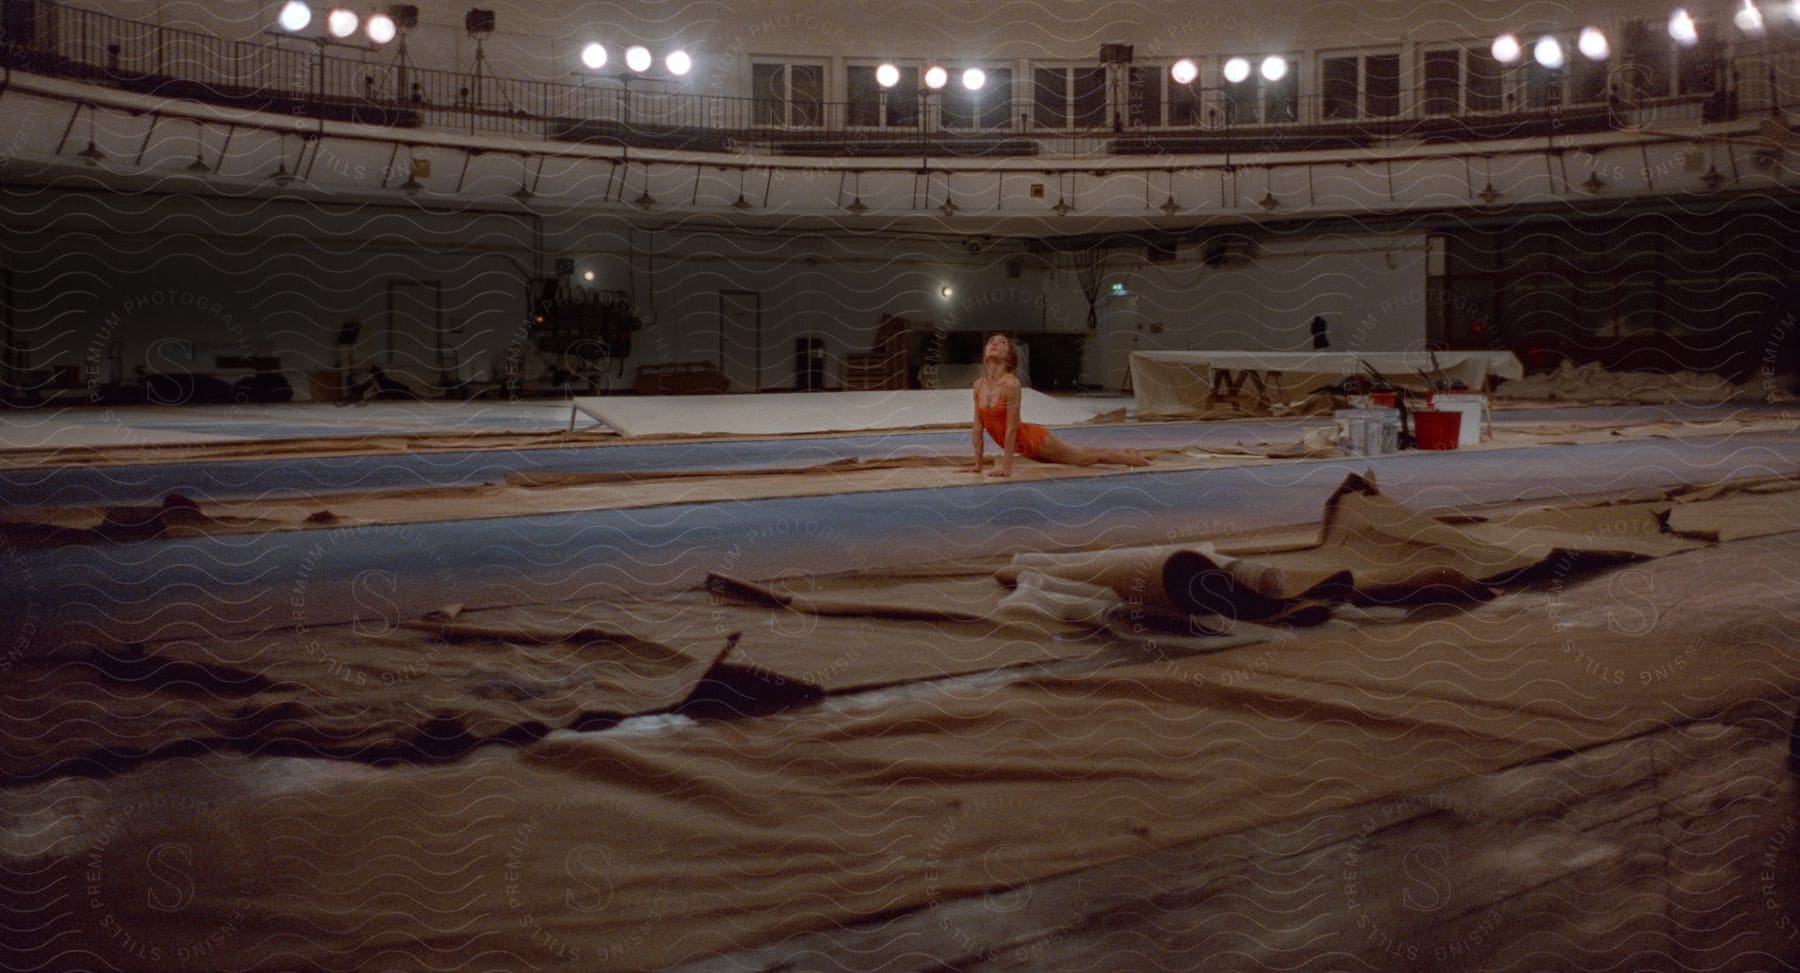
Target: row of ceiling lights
(341, 22)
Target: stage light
(936, 77)
(887, 75)
(678, 63)
(341, 23)
(1548, 52)
(1749, 20)
(1682, 29)
(1274, 68)
(381, 28)
(974, 78)
(294, 16)
(1593, 44)
(638, 58)
(1506, 49)
(1184, 71)
(594, 56)
(1236, 70)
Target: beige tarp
(637, 850)
(802, 412)
(1593, 383)
(1199, 383)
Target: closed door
(741, 338)
(413, 348)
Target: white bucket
(1474, 409)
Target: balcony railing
(306, 78)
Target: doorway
(414, 349)
(741, 338)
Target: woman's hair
(1012, 353)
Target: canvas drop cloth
(1198, 383)
(804, 412)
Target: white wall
(177, 280)
(1369, 287)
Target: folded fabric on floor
(631, 851)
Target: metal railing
(307, 78)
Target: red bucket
(1437, 430)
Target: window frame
(785, 102)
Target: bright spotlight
(947, 291)
(1749, 20)
(1274, 68)
(381, 28)
(1184, 71)
(638, 58)
(1506, 49)
(341, 23)
(678, 63)
(887, 75)
(294, 16)
(588, 276)
(936, 77)
(1593, 44)
(974, 78)
(1236, 70)
(1548, 52)
(594, 56)
(1682, 29)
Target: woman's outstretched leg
(1057, 451)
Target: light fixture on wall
(946, 291)
(1506, 49)
(679, 63)
(1169, 206)
(1593, 44)
(638, 59)
(1184, 71)
(645, 201)
(593, 56)
(341, 22)
(294, 16)
(1682, 29)
(1062, 207)
(856, 207)
(1268, 201)
(949, 208)
(887, 75)
(1237, 70)
(1749, 19)
(936, 77)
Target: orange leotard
(1031, 437)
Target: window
(1068, 97)
(1257, 99)
(872, 106)
(788, 95)
(1360, 86)
(991, 107)
(1654, 66)
(1697, 68)
(1145, 95)
(1185, 104)
(1462, 80)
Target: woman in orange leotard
(997, 414)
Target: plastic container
(1368, 432)
(1384, 400)
(1474, 409)
(1437, 430)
